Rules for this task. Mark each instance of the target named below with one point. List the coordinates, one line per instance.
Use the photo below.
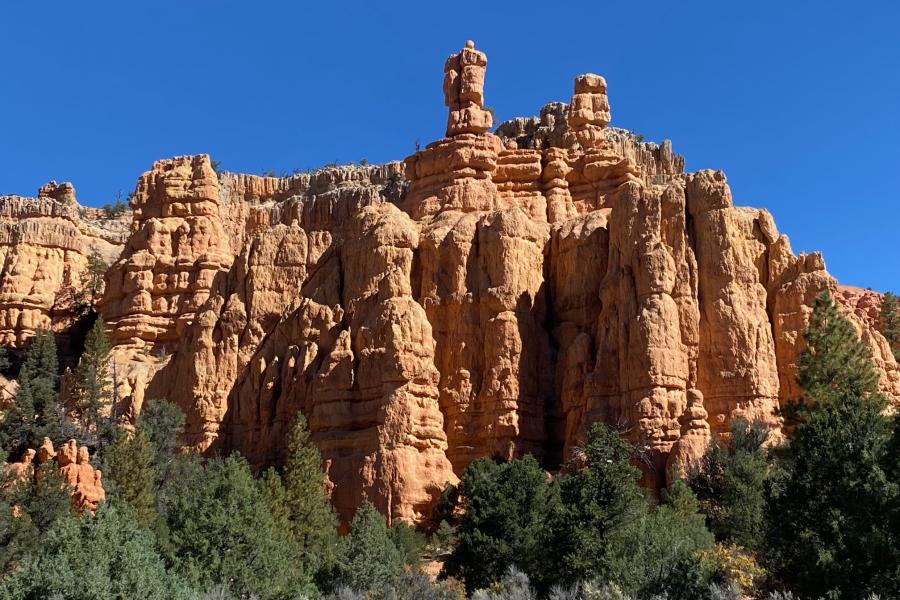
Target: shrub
(221, 532)
(102, 557)
(890, 322)
(112, 210)
(730, 484)
(514, 585)
(367, 557)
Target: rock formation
(464, 92)
(84, 482)
(493, 295)
(44, 246)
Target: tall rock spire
(589, 110)
(464, 92)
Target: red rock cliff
(44, 247)
(492, 295)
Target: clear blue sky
(799, 102)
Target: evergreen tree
(408, 541)
(730, 485)
(4, 359)
(656, 554)
(92, 285)
(163, 422)
(829, 536)
(273, 491)
(892, 519)
(102, 557)
(890, 321)
(221, 533)
(131, 475)
(311, 517)
(36, 412)
(835, 365)
(600, 501)
(91, 389)
(506, 514)
(367, 557)
(29, 509)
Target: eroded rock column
(737, 368)
(647, 327)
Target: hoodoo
(492, 295)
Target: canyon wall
(45, 243)
(492, 295)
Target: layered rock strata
(493, 295)
(44, 247)
(521, 287)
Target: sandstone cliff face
(492, 295)
(316, 315)
(44, 246)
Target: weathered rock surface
(83, 480)
(493, 295)
(44, 246)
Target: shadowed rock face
(492, 295)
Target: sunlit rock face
(45, 243)
(494, 294)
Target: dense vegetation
(817, 516)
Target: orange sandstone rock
(44, 245)
(493, 295)
(523, 286)
(83, 480)
(464, 92)
(23, 469)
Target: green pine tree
(409, 542)
(600, 501)
(890, 321)
(310, 514)
(273, 491)
(655, 555)
(93, 282)
(163, 421)
(835, 365)
(506, 514)
(36, 412)
(829, 534)
(220, 532)
(92, 389)
(131, 475)
(4, 360)
(102, 557)
(40, 503)
(730, 485)
(367, 557)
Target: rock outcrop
(44, 247)
(73, 463)
(519, 287)
(492, 295)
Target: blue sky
(799, 102)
